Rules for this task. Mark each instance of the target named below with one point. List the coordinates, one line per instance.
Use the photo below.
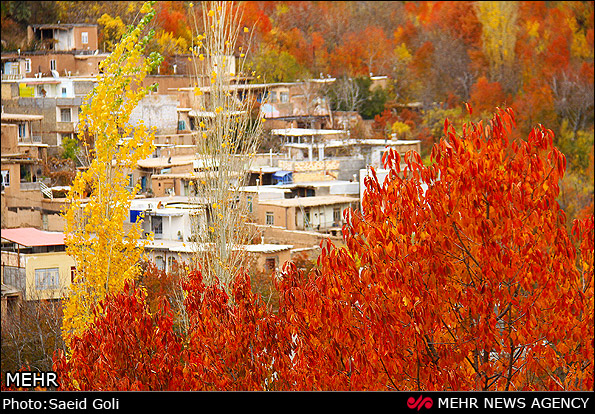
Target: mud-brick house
(26, 199)
(56, 50)
(63, 37)
(21, 167)
(56, 99)
(318, 213)
(169, 255)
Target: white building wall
(64, 38)
(158, 111)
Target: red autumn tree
(172, 18)
(457, 276)
(486, 95)
(127, 348)
(225, 345)
(231, 344)
(460, 275)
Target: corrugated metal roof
(30, 237)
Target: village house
(21, 171)
(174, 223)
(63, 37)
(318, 213)
(283, 104)
(35, 263)
(171, 175)
(169, 255)
(56, 99)
(56, 50)
(170, 218)
(45, 64)
(27, 197)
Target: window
(270, 264)
(5, 178)
(63, 137)
(181, 125)
(284, 97)
(307, 218)
(273, 97)
(14, 68)
(160, 262)
(337, 215)
(72, 274)
(250, 207)
(157, 226)
(27, 65)
(47, 278)
(270, 218)
(84, 38)
(65, 115)
(22, 130)
(63, 92)
(172, 264)
(15, 276)
(53, 64)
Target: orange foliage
(172, 18)
(486, 95)
(535, 104)
(455, 17)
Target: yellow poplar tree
(499, 33)
(107, 252)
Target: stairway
(46, 190)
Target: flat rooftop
(310, 201)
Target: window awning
(281, 174)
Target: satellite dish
(55, 73)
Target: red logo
(420, 402)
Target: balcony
(10, 76)
(30, 186)
(69, 100)
(65, 127)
